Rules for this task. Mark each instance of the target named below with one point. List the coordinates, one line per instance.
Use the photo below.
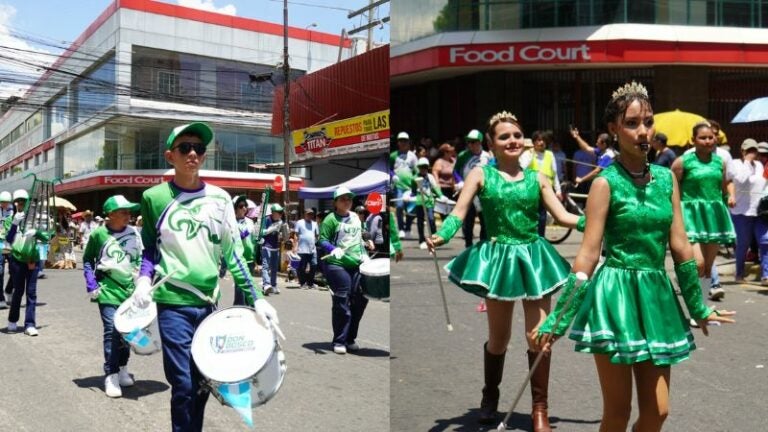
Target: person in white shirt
(403, 163)
(86, 227)
(744, 190)
(308, 232)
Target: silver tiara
(632, 89)
(504, 115)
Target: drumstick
(437, 266)
(580, 279)
(153, 288)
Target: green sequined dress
(516, 264)
(630, 311)
(705, 215)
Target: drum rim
(377, 264)
(127, 304)
(248, 377)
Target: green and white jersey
(344, 232)
(246, 225)
(191, 232)
(115, 257)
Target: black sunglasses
(185, 147)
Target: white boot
(112, 386)
(126, 380)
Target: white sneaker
(3, 304)
(125, 379)
(692, 322)
(716, 293)
(31, 331)
(12, 327)
(423, 246)
(276, 290)
(339, 349)
(112, 386)
(353, 347)
(267, 289)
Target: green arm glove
(574, 287)
(688, 279)
(581, 225)
(450, 227)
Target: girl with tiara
(515, 264)
(628, 315)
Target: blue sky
(48, 24)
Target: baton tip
(501, 427)
(450, 327)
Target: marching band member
(270, 250)
(111, 256)
(23, 266)
(628, 316)
(189, 227)
(341, 238)
(516, 264)
(246, 227)
(6, 211)
(708, 224)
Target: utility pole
(369, 40)
(286, 111)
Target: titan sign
(519, 54)
(132, 180)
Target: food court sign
(521, 53)
(362, 133)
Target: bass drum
(374, 279)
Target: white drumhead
(375, 267)
(128, 318)
(231, 345)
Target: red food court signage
(516, 54)
(136, 180)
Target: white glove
(142, 295)
(337, 253)
(265, 311)
(94, 294)
(17, 218)
(369, 245)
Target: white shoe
(423, 246)
(716, 293)
(339, 349)
(401, 234)
(112, 386)
(353, 347)
(276, 290)
(12, 327)
(125, 379)
(31, 331)
(267, 290)
(3, 304)
(692, 322)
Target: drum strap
(198, 293)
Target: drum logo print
(226, 344)
(217, 343)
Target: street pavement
(436, 375)
(54, 382)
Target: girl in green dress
(701, 175)
(628, 315)
(515, 264)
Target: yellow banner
(355, 130)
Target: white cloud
(207, 5)
(15, 78)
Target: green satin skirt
(632, 316)
(509, 272)
(708, 222)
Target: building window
(34, 120)
(26, 164)
(37, 159)
(45, 156)
(57, 120)
(167, 83)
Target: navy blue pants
(24, 280)
(307, 276)
(188, 398)
(348, 303)
(116, 350)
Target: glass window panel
(96, 92)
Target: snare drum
(233, 346)
(375, 278)
(139, 327)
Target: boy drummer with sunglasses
(189, 228)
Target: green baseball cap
(474, 135)
(200, 129)
(118, 202)
(343, 190)
(277, 208)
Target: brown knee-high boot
(539, 392)
(494, 369)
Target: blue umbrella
(755, 110)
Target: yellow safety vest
(546, 167)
